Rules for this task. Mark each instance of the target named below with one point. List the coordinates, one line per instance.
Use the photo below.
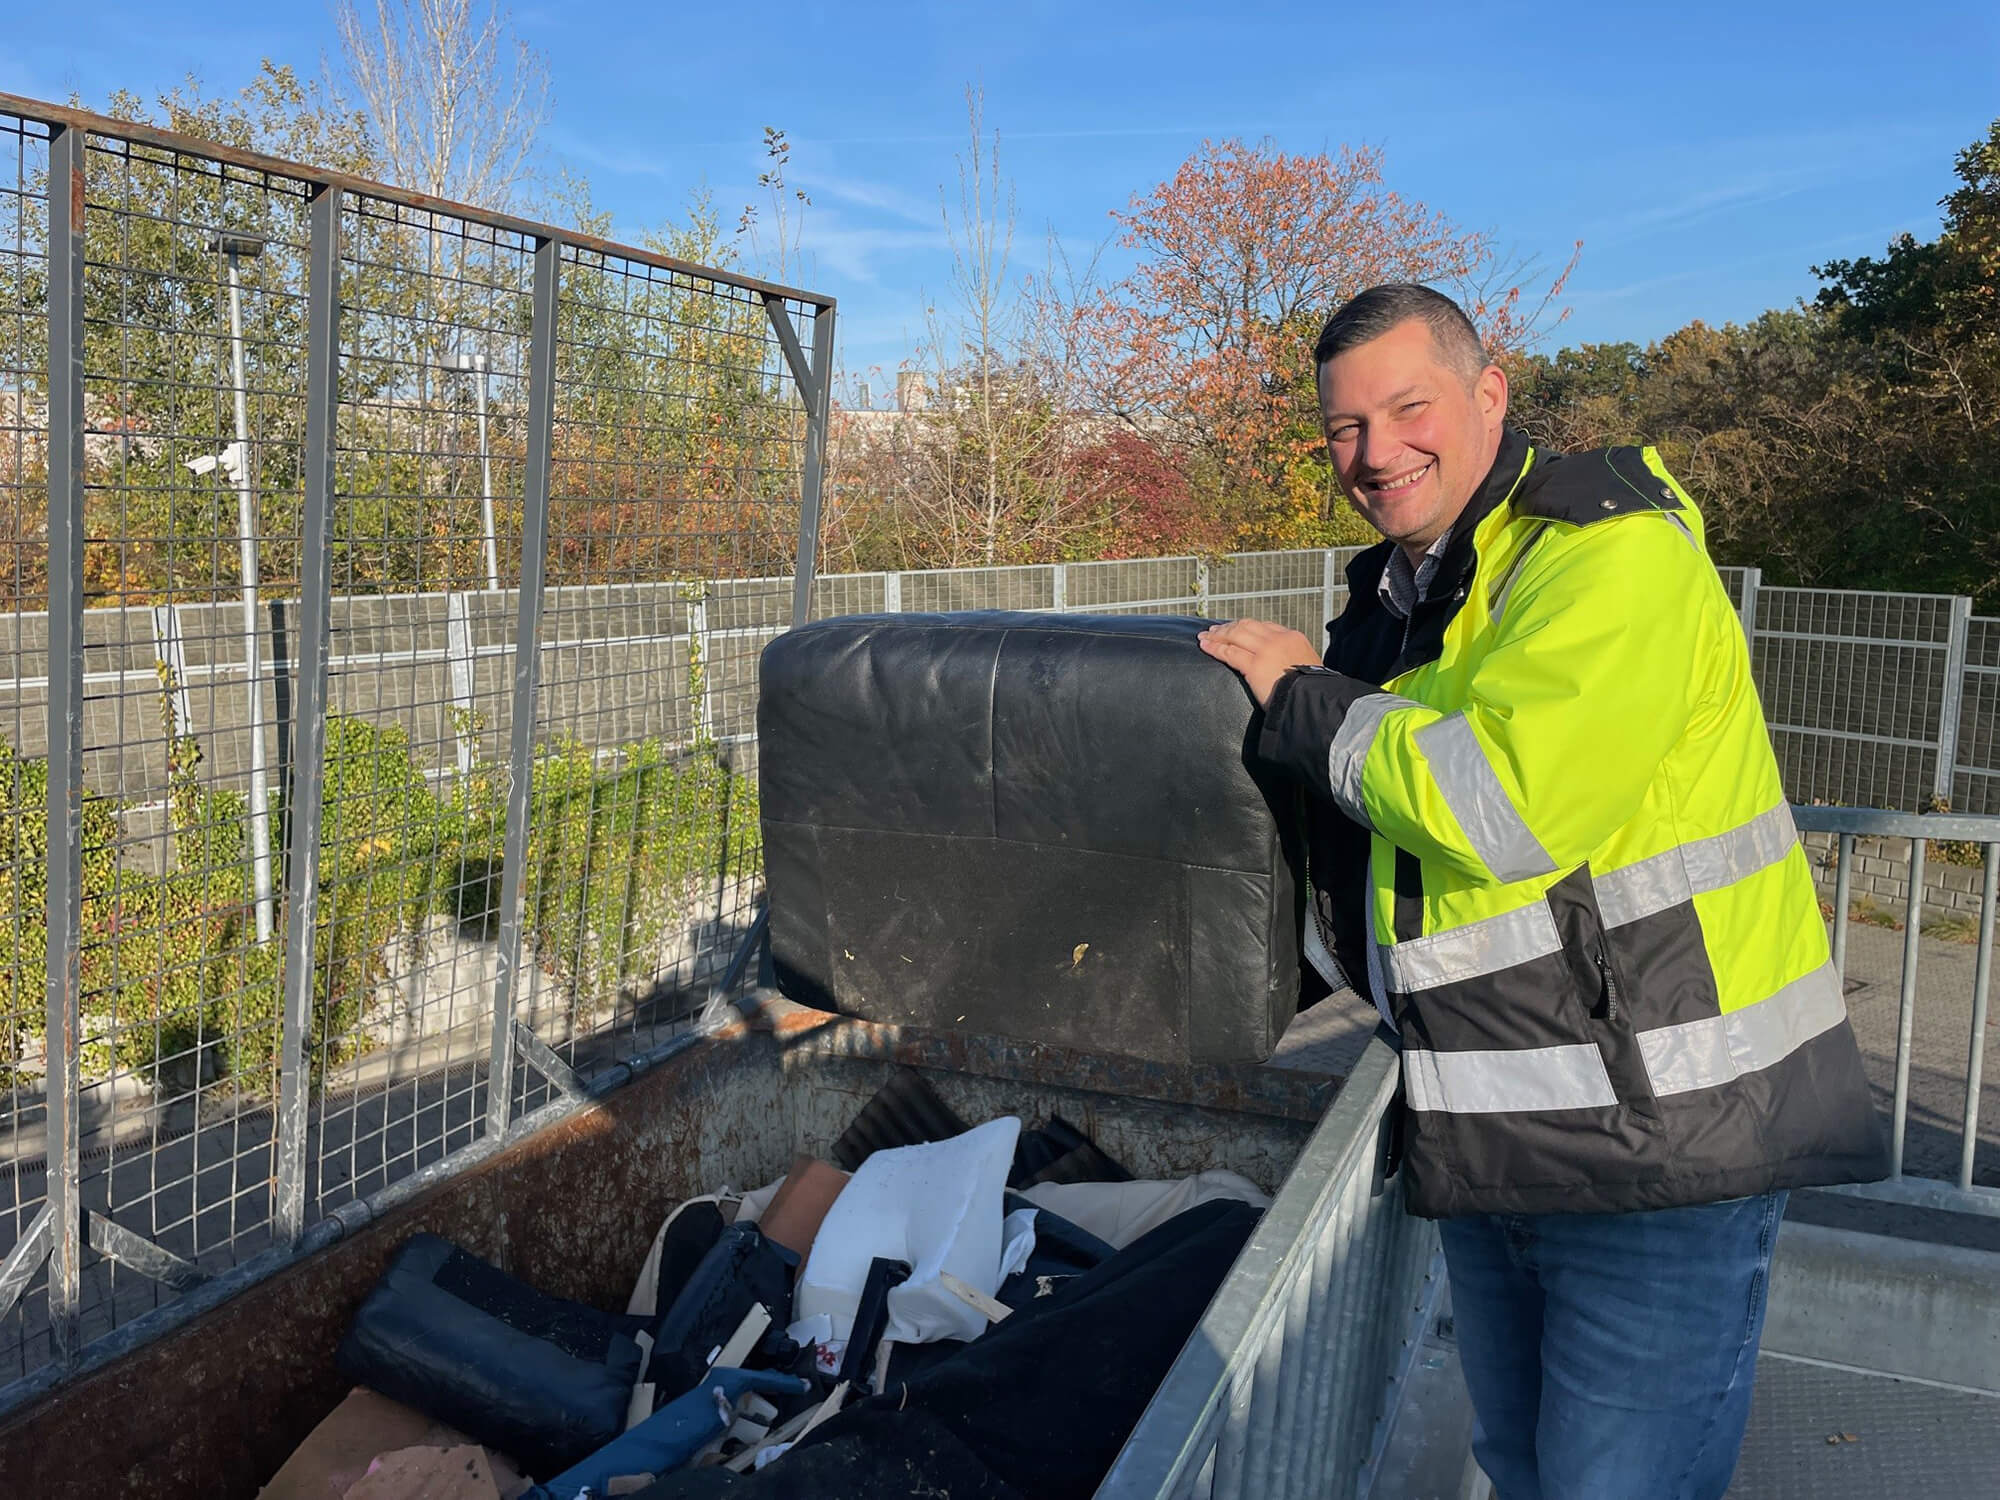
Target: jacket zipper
(1610, 986)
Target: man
(1551, 841)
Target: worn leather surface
(1036, 826)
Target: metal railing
(1847, 824)
(1288, 1384)
(237, 380)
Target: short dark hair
(1368, 315)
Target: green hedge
(620, 849)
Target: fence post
(892, 593)
(305, 793)
(1954, 698)
(1059, 587)
(1201, 587)
(527, 670)
(1753, 580)
(458, 658)
(1329, 585)
(67, 146)
(698, 642)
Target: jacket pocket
(1602, 992)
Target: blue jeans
(1611, 1356)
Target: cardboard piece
(429, 1474)
(336, 1455)
(794, 1215)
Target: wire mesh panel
(1976, 782)
(1133, 586)
(425, 550)
(1287, 587)
(24, 698)
(1854, 686)
(190, 293)
(377, 655)
(945, 589)
(679, 437)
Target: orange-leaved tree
(1241, 255)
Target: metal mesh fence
(373, 713)
(1976, 779)
(1858, 689)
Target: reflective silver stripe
(1665, 880)
(1679, 1059)
(1351, 744)
(1479, 802)
(1505, 1082)
(1483, 947)
(1716, 1050)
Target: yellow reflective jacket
(1585, 905)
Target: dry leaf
(1076, 954)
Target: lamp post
(477, 364)
(236, 248)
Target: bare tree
(982, 471)
(455, 98)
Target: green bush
(173, 981)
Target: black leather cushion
(1046, 827)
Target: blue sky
(1706, 155)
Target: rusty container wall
(212, 1409)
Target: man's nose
(1377, 449)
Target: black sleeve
(1305, 713)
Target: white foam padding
(938, 1207)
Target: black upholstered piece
(1044, 827)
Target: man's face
(1410, 440)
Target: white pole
(246, 540)
(486, 482)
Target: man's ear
(1491, 392)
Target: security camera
(230, 460)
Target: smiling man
(1550, 840)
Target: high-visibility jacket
(1590, 916)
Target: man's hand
(1261, 651)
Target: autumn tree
(1241, 255)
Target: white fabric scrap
(1120, 1212)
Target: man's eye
(1411, 408)
(1342, 434)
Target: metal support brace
(1954, 698)
(65, 734)
(26, 1258)
(1059, 587)
(306, 793)
(892, 593)
(527, 672)
(815, 383)
(1329, 585)
(542, 1058)
(140, 1254)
